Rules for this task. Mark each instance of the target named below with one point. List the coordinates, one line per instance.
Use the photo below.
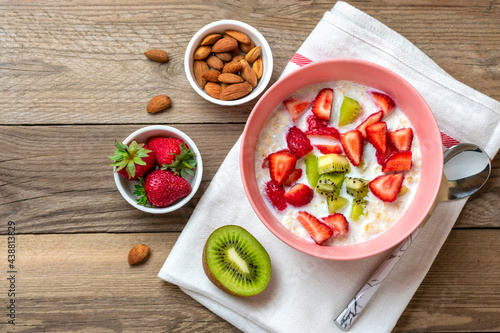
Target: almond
(212, 75)
(231, 67)
(202, 52)
(137, 254)
(258, 67)
(224, 56)
(157, 55)
(235, 51)
(238, 57)
(210, 39)
(253, 54)
(224, 85)
(235, 91)
(158, 103)
(225, 44)
(213, 89)
(215, 62)
(246, 47)
(248, 73)
(230, 78)
(239, 36)
(200, 67)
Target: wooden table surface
(73, 78)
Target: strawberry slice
(383, 101)
(314, 123)
(281, 166)
(372, 119)
(318, 230)
(296, 174)
(352, 143)
(299, 195)
(338, 223)
(329, 149)
(402, 139)
(296, 107)
(325, 132)
(276, 194)
(322, 104)
(399, 161)
(298, 143)
(386, 187)
(377, 136)
(265, 161)
(381, 157)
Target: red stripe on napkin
(448, 141)
(300, 61)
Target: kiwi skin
(212, 277)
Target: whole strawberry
(173, 154)
(162, 188)
(133, 161)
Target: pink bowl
(414, 107)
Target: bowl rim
(263, 81)
(195, 184)
(432, 162)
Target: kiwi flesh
(335, 204)
(329, 184)
(356, 187)
(236, 262)
(349, 111)
(311, 162)
(357, 208)
(333, 163)
(403, 190)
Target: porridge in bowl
(338, 163)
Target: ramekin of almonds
(228, 62)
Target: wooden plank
(51, 183)
(43, 199)
(461, 292)
(83, 283)
(67, 64)
(57, 178)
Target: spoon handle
(350, 313)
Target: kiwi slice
(311, 162)
(329, 184)
(356, 187)
(335, 204)
(236, 262)
(357, 208)
(333, 163)
(403, 190)
(349, 111)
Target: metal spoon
(466, 169)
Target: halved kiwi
(236, 262)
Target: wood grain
(84, 64)
(65, 185)
(73, 78)
(84, 283)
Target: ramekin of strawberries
(157, 169)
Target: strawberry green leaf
(140, 192)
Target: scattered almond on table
(137, 254)
(158, 103)
(157, 55)
(222, 65)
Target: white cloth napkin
(305, 293)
